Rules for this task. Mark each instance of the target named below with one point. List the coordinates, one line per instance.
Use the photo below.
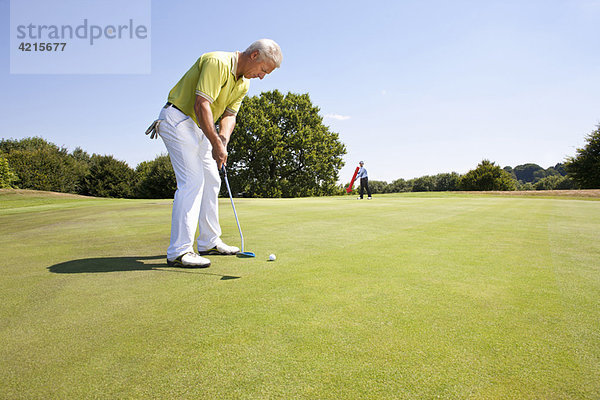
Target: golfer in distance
(364, 181)
(213, 87)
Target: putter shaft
(233, 205)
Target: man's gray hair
(267, 49)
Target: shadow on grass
(120, 264)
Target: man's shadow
(116, 264)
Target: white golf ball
(272, 257)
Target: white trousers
(198, 184)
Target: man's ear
(254, 55)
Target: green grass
(403, 297)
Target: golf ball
(272, 257)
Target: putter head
(245, 254)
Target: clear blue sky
(412, 87)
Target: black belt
(172, 105)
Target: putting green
(405, 296)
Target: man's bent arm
(227, 125)
(206, 122)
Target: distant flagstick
(349, 188)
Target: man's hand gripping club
(206, 122)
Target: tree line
(280, 148)
(34, 163)
(581, 171)
(486, 176)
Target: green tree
(560, 168)
(584, 168)
(555, 182)
(44, 169)
(487, 176)
(42, 165)
(551, 171)
(109, 177)
(524, 186)
(377, 187)
(511, 171)
(447, 182)
(400, 186)
(80, 165)
(280, 148)
(529, 172)
(424, 184)
(7, 176)
(27, 144)
(155, 179)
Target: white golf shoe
(189, 260)
(221, 249)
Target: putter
(241, 254)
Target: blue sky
(412, 87)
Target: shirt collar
(234, 65)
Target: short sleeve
(234, 106)
(213, 75)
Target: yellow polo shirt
(213, 77)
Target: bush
(400, 186)
(155, 179)
(524, 186)
(555, 182)
(447, 182)
(377, 187)
(41, 165)
(7, 146)
(109, 177)
(7, 176)
(424, 184)
(45, 169)
(487, 176)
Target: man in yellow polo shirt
(213, 88)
